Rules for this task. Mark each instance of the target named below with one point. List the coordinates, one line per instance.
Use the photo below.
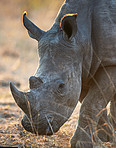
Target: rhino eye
(61, 85)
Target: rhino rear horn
(20, 98)
(33, 30)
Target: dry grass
(18, 61)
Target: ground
(18, 61)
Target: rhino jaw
(44, 125)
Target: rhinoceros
(77, 63)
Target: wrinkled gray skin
(77, 63)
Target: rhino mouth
(42, 116)
(45, 126)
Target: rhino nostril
(61, 86)
(34, 82)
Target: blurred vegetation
(36, 4)
(18, 52)
(16, 5)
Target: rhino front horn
(20, 98)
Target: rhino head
(56, 86)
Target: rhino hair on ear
(33, 31)
(69, 25)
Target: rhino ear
(33, 30)
(69, 25)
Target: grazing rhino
(77, 63)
